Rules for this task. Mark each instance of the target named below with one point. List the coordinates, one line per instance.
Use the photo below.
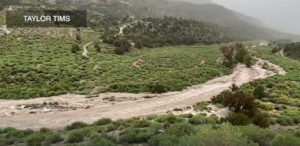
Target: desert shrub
(266, 106)
(101, 142)
(54, 138)
(6, 130)
(141, 123)
(261, 119)
(171, 119)
(119, 51)
(134, 135)
(180, 129)
(7, 141)
(15, 133)
(163, 140)
(286, 140)
(238, 119)
(75, 137)
(35, 139)
(76, 125)
(111, 127)
(223, 135)
(45, 130)
(201, 106)
(259, 92)
(261, 136)
(157, 88)
(200, 119)
(103, 121)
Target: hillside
(201, 2)
(292, 50)
(169, 31)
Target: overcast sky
(282, 15)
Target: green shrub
(45, 130)
(7, 141)
(261, 136)
(134, 135)
(54, 138)
(119, 50)
(238, 119)
(141, 123)
(200, 119)
(101, 142)
(76, 125)
(201, 106)
(180, 129)
(35, 139)
(163, 140)
(75, 137)
(222, 135)
(286, 140)
(103, 121)
(157, 88)
(261, 119)
(111, 127)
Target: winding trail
(282, 52)
(85, 51)
(157, 104)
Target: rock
(32, 112)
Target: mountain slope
(169, 31)
(196, 1)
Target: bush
(267, 107)
(119, 51)
(103, 121)
(134, 135)
(286, 140)
(141, 123)
(76, 125)
(247, 60)
(111, 127)
(101, 142)
(7, 141)
(45, 130)
(163, 140)
(238, 119)
(157, 88)
(75, 137)
(54, 138)
(35, 139)
(200, 119)
(261, 136)
(180, 129)
(223, 135)
(261, 119)
(259, 92)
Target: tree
(240, 102)
(259, 92)
(247, 60)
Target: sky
(283, 15)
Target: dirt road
(282, 52)
(120, 105)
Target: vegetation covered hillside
(170, 31)
(292, 50)
(209, 13)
